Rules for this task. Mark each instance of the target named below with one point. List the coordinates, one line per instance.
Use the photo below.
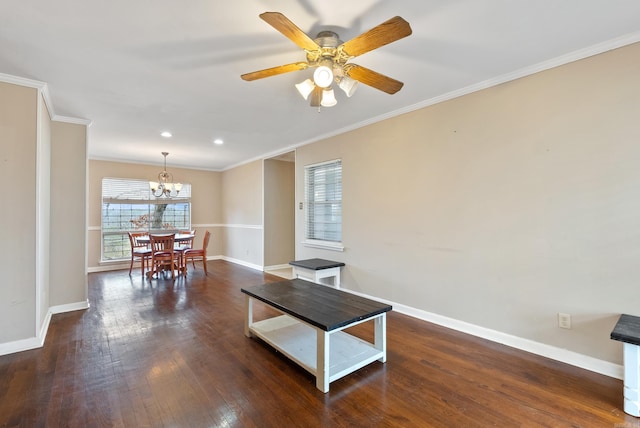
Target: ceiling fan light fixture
(328, 98)
(323, 76)
(305, 88)
(348, 85)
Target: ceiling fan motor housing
(328, 39)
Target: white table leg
(631, 379)
(380, 336)
(322, 360)
(248, 311)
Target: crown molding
(72, 120)
(590, 51)
(43, 88)
(518, 74)
(22, 81)
(153, 163)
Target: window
(323, 200)
(128, 205)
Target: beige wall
(228, 204)
(206, 210)
(242, 213)
(503, 207)
(38, 222)
(279, 212)
(18, 111)
(68, 282)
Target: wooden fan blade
(290, 30)
(389, 31)
(316, 97)
(373, 79)
(274, 71)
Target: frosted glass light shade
(328, 98)
(305, 88)
(323, 76)
(348, 85)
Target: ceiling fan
(330, 56)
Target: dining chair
(184, 245)
(193, 254)
(139, 251)
(163, 255)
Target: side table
(627, 330)
(320, 271)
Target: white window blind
(323, 197)
(122, 190)
(128, 205)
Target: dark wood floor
(166, 353)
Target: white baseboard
(20, 345)
(38, 342)
(69, 307)
(121, 266)
(110, 267)
(558, 354)
(563, 355)
(276, 267)
(241, 263)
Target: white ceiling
(136, 68)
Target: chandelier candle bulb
(165, 186)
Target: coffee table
(310, 331)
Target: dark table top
(319, 305)
(627, 329)
(316, 264)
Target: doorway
(279, 214)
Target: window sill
(113, 261)
(325, 245)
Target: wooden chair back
(162, 243)
(139, 250)
(205, 242)
(198, 253)
(187, 244)
(133, 239)
(163, 255)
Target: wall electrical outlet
(564, 320)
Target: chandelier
(165, 187)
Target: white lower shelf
(298, 341)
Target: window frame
(308, 241)
(130, 192)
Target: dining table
(178, 239)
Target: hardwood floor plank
(173, 353)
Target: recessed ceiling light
(166, 134)
(218, 141)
